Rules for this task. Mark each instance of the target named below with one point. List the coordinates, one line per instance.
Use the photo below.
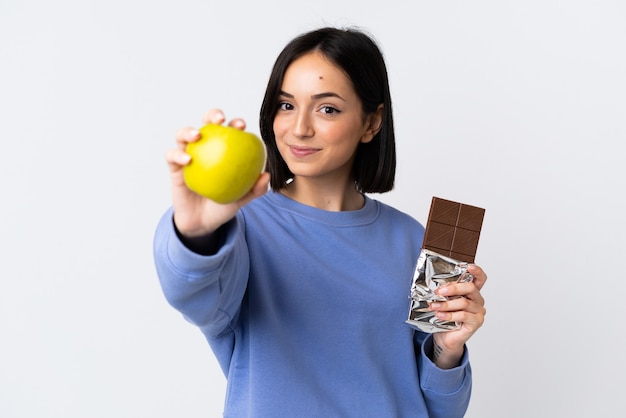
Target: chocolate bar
(453, 229)
(450, 243)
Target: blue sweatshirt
(305, 309)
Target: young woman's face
(320, 120)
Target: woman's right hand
(195, 215)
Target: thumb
(259, 189)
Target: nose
(303, 128)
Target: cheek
(343, 136)
(279, 127)
(279, 135)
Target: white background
(515, 106)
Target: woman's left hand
(467, 307)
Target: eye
(285, 106)
(329, 110)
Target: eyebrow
(315, 96)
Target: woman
(302, 291)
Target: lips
(301, 152)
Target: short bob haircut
(360, 58)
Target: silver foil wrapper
(433, 270)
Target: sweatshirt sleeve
(207, 290)
(446, 392)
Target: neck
(331, 197)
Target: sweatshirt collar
(367, 214)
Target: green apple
(225, 163)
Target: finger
(258, 190)
(472, 320)
(467, 290)
(459, 304)
(176, 159)
(185, 136)
(476, 297)
(456, 289)
(237, 123)
(262, 185)
(214, 116)
(480, 277)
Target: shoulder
(397, 216)
(399, 225)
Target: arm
(199, 246)
(445, 372)
(446, 391)
(207, 290)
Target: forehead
(315, 70)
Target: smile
(301, 152)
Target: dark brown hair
(360, 58)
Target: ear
(373, 123)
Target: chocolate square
(453, 229)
